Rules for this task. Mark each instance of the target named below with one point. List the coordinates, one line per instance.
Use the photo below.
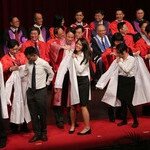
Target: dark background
(24, 10)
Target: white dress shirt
(127, 66)
(42, 70)
(81, 69)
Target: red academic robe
(128, 39)
(42, 46)
(113, 27)
(7, 62)
(144, 49)
(87, 31)
(108, 57)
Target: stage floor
(105, 135)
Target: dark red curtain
(24, 9)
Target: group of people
(68, 58)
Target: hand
(66, 47)
(14, 68)
(147, 56)
(136, 53)
(74, 56)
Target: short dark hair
(79, 27)
(117, 37)
(12, 43)
(120, 25)
(57, 28)
(122, 47)
(34, 29)
(70, 29)
(99, 11)
(30, 51)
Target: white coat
(19, 110)
(2, 95)
(142, 84)
(68, 64)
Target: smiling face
(101, 30)
(69, 38)
(78, 46)
(15, 23)
(14, 50)
(98, 17)
(38, 19)
(79, 17)
(140, 14)
(34, 35)
(119, 15)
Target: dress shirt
(42, 70)
(127, 67)
(81, 69)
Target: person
(108, 57)
(79, 17)
(128, 78)
(3, 111)
(78, 64)
(58, 21)
(99, 44)
(38, 70)
(34, 41)
(15, 31)
(11, 62)
(119, 18)
(126, 84)
(139, 18)
(99, 19)
(38, 20)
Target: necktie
(36, 47)
(102, 39)
(33, 81)
(16, 36)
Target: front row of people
(124, 77)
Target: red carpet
(104, 134)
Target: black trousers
(37, 103)
(125, 92)
(3, 134)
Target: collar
(35, 25)
(14, 29)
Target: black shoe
(135, 124)
(122, 123)
(24, 128)
(71, 131)
(44, 138)
(85, 133)
(34, 139)
(3, 142)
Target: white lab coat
(2, 95)
(68, 64)
(142, 84)
(19, 110)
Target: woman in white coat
(77, 63)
